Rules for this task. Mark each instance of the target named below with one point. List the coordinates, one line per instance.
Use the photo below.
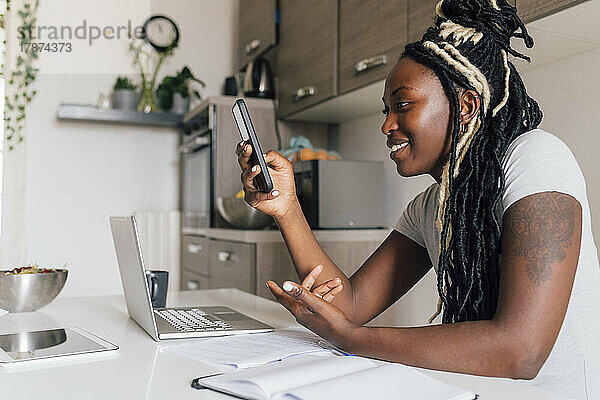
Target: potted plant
(124, 96)
(174, 92)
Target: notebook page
(282, 376)
(388, 381)
(250, 350)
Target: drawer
(195, 254)
(232, 265)
(193, 281)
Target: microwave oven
(338, 194)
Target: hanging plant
(21, 77)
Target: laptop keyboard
(194, 320)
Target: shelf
(78, 112)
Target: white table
(142, 371)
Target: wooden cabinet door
(372, 38)
(307, 53)
(530, 10)
(193, 281)
(257, 30)
(421, 15)
(194, 254)
(232, 265)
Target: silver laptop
(168, 323)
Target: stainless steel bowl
(239, 214)
(28, 292)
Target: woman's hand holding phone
(282, 198)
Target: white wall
(78, 174)
(567, 91)
(568, 94)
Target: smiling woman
(506, 226)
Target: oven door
(196, 182)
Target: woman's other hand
(327, 290)
(315, 313)
(283, 196)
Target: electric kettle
(258, 81)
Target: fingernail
(288, 287)
(264, 154)
(240, 143)
(275, 192)
(254, 168)
(338, 280)
(266, 284)
(246, 147)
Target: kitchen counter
(142, 371)
(274, 236)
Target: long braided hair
(468, 48)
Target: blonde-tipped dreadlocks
(468, 49)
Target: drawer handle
(193, 285)
(301, 93)
(194, 248)
(252, 46)
(225, 256)
(368, 63)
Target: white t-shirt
(537, 162)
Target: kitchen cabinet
(307, 53)
(192, 281)
(421, 15)
(257, 29)
(195, 265)
(232, 265)
(372, 37)
(254, 257)
(530, 10)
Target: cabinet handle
(225, 256)
(368, 63)
(193, 285)
(194, 248)
(304, 92)
(252, 46)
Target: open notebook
(330, 378)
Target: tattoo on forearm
(542, 226)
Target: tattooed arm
(541, 240)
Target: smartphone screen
(244, 123)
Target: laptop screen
(133, 276)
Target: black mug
(157, 287)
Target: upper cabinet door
(307, 53)
(372, 36)
(530, 10)
(421, 15)
(257, 29)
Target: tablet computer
(62, 344)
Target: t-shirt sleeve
(540, 162)
(410, 222)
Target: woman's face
(417, 119)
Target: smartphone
(244, 123)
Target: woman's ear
(469, 105)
